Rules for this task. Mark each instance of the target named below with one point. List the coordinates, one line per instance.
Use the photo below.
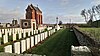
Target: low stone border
(85, 40)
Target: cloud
(64, 18)
(73, 18)
(6, 15)
(95, 2)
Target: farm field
(93, 32)
(59, 44)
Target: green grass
(59, 44)
(93, 32)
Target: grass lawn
(92, 32)
(59, 44)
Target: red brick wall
(32, 14)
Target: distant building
(15, 23)
(5, 25)
(35, 14)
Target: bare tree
(84, 14)
(94, 12)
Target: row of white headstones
(20, 46)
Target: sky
(65, 10)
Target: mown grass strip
(58, 44)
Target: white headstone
(17, 47)
(40, 31)
(43, 37)
(28, 43)
(23, 46)
(49, 33)
(57, 27)
(0, 33)
(10, 32)
(24, 34)
(34, 32)
(14, 37)
(22, 30)
(13, 30)
(28, 33)
(46, 35)
(16, 31)
(20, 35)
(36, 39)
(0, 41)
(5, 39)
(8, 49)
(39, 38)
(32, 41)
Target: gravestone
(17, 47)
(43, 37)
(32, 41)
(20, 35)
(0, 33)
(6, 33)
(24, 34)
(49, 33)
(5, 39)
(28, 33)
(22, 30)
(28, 43)
(39, 38)
(36, 39)
(13, 30)
(46, 35)
(14, 37)
(34, 32)
(40, 31)
(8, 49)
(23, 46)
(16, 31)
(10, 32)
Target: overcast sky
(63, 9)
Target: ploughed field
(92, 32)
(59, 44)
